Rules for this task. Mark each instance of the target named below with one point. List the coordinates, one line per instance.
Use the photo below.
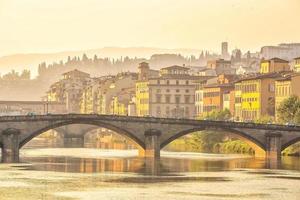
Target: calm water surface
(90, 173)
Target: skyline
(30, 26)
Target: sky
(43, 26)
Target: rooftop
(218, 85)
(276, 60)
(175, 67)
(262, 76)
(76, 71)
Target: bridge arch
(259, 147)
(290, 143)
(100, 124)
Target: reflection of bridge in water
(150, 134)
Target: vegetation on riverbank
(210, 142)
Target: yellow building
(285, 87)
(237, 102)
(297, 64)
(274, 65)
(257, 96)
(142, 98)
(120, 103)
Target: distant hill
(19, 62)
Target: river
(90, 173)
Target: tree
(289, 110)
(25, 75)
(219, 115)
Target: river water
(90, 173)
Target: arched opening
(118, 130)
(96, 157)
(291, 148)
(224, 141)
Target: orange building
(217, 97)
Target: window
(168, 82)
(158, 82)
(187, 91)
(177, 90)
(177, 99)
(168, 111)
(167, 90)
(168, 98)
(187, 99)
(158, 111)
(186, 82)
(158, 98)
(177, 82)
(271, 88)
(187, 112)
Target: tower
(143, 71)
(224, 50)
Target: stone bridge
(150, 134)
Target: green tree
(219, 115)
(289, 110)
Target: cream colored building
(171, 94)
(69, 90)
(285, 87)
(97, 97)
(297, 64)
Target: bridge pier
(273, 147)
(73, 141)
(152, 143)
(10, 146)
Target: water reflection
(123, 163)
(168, 163)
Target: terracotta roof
(218, 85)
(262, 76)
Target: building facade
(286, 87)
(69, 90)
(221, 66)
(255, 96)
(297, 64)
(171, 94)
(274, 65)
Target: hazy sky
(57, 25)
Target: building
(213, 97)
(200, 83)
(286, 51)
(171, 94)
(274, 65)
(242, 70)
(238, 101)
(207, 72)
(211, 94)
(221, 66)
(69, 90)
(98, 96)
(297, 64)
(224, 50)
(285, 87)
(255, 97)
(121, 103)
(31, 108)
